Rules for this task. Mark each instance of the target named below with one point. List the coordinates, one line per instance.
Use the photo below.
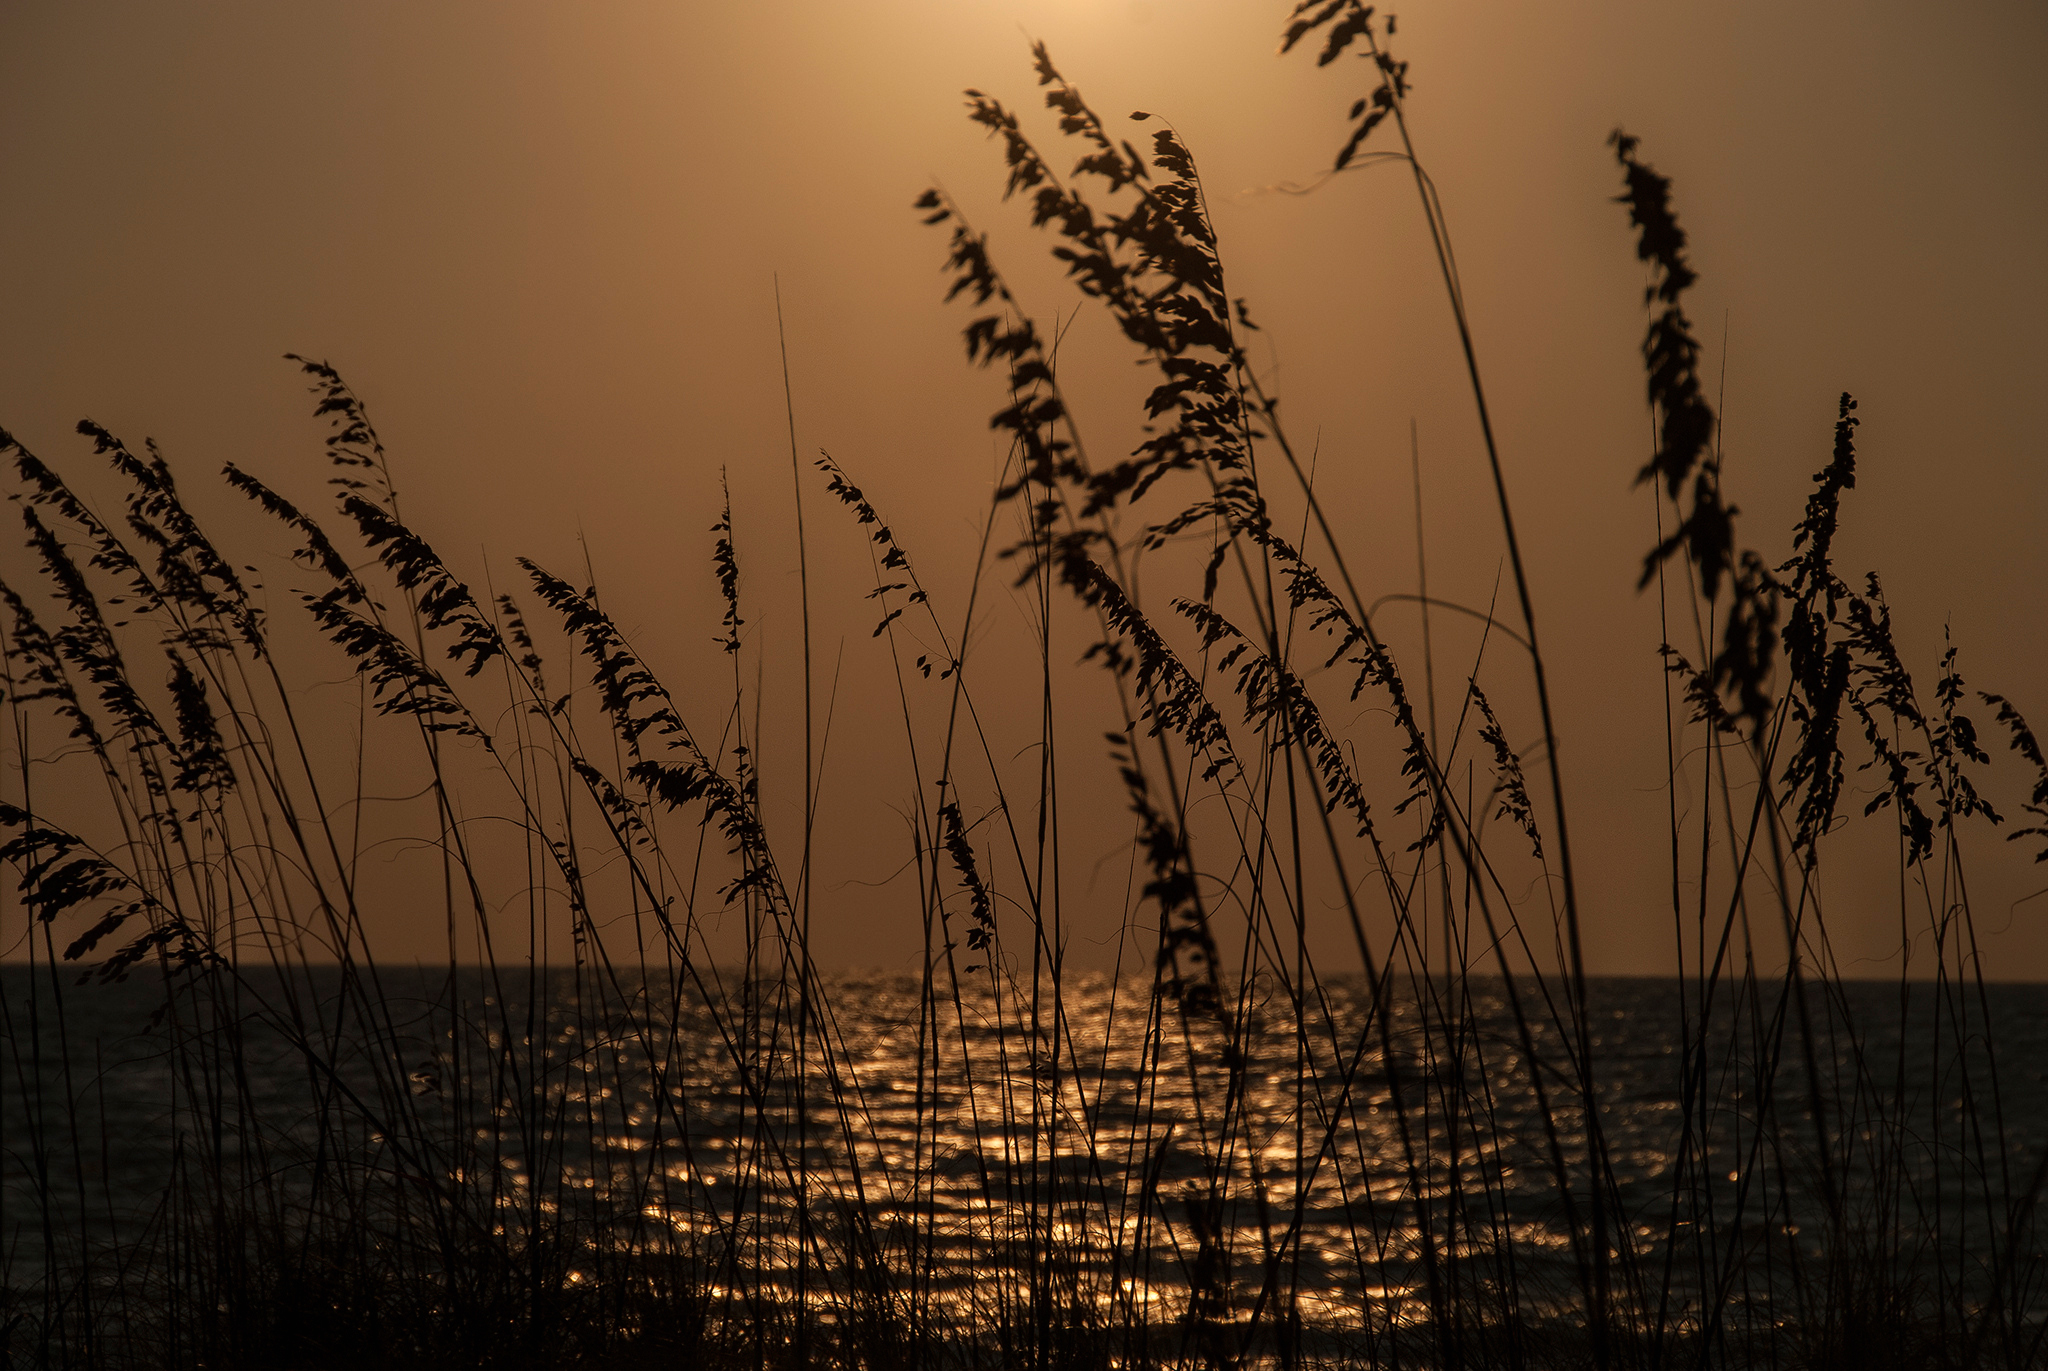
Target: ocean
(1235, 1157)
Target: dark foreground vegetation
(683, 1145)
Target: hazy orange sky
(541, 240)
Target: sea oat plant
(609, 1131)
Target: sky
(546, 244)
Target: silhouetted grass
(670, 1148)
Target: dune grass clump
(612, 1131)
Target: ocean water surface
(1234, 1153)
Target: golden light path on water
(950, 1153)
